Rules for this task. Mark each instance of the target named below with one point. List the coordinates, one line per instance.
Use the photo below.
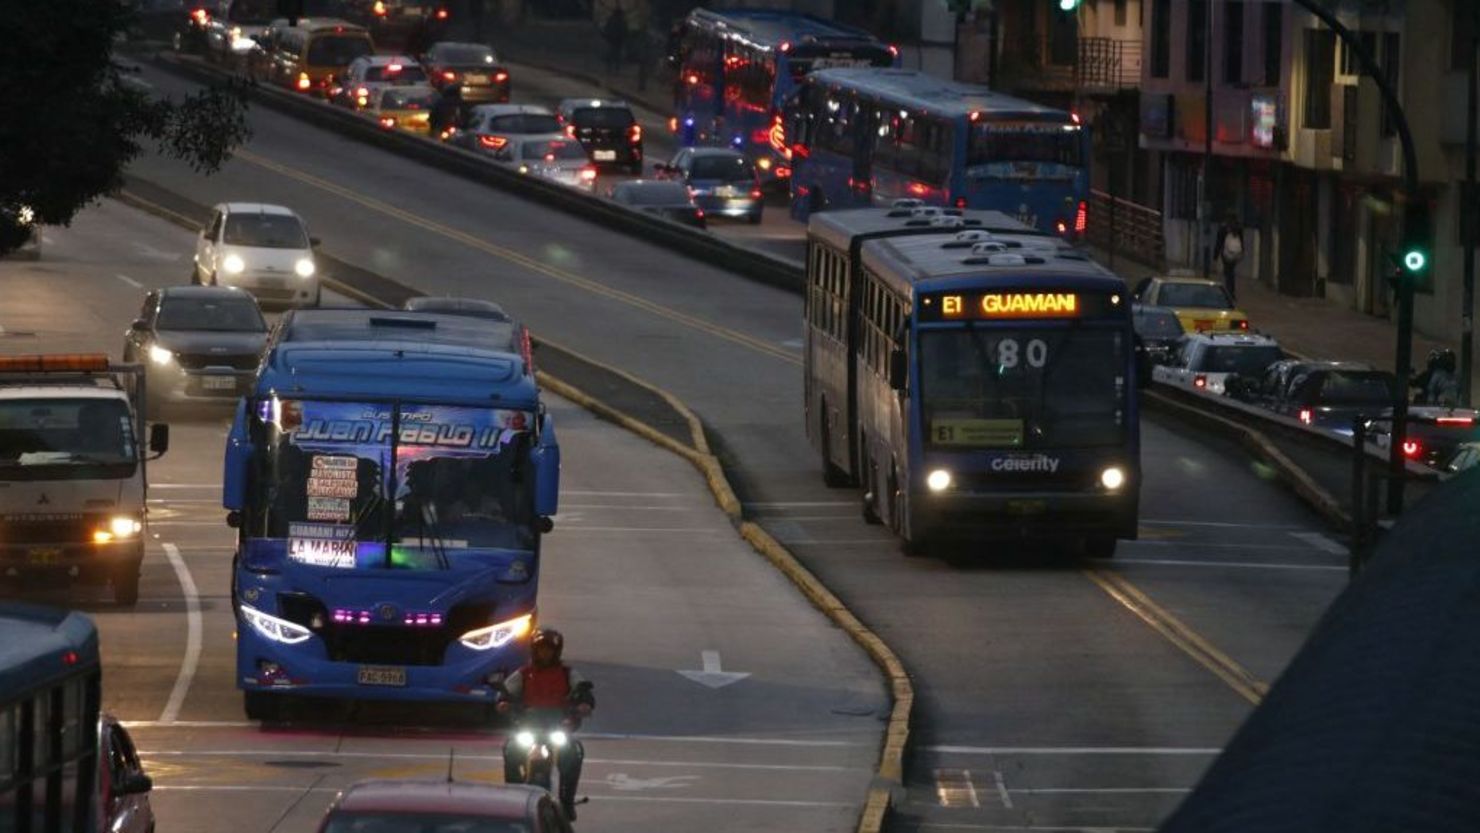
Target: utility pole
(1469, 220)
(1205, 201)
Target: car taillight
(494, 142)
(755, 193)
(1411, 448)
(1081, 217)
(699, 212)
(449, 75)
(442, 14)
(634, 133)
(501, 76)
(570, 131)
(379, 8)
(1199, 381)
(1307, 416)
(202, 17)
(1061, 226)
(961, 202)
(1455, 420)
(387, 121)
(303, 81)
(588, 174)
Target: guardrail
(1121, 227)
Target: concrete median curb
(889, 774)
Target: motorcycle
(540, 737)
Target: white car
(554, 158)
(1206, 361)
(264, 249)
(368, 75)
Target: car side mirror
(134, 783)
(159, 438)
(315, 242)
(899, 369)
(139, 326)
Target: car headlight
(123, 526)
(558, 738)
(496, 636)
(304, 267)
(160, 355)
(938, 480)
(1112, 478)
(273, 628)
(525, 739)
(233, 265)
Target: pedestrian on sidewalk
(1230, 249)
(615, 33)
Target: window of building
(1161, 40)
(1120, 12)
(1233, 42)
(1197, 39)
(1274, 33)
(1320, 67)
(1350, 65)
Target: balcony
(1108, 65)
(1099, 65)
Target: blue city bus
(989, 383)
(50, 699)
(866, 137)
(735, 69)
(390, 477)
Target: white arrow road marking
(191, 659)
(626, 783)
(713, 675)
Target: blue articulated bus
(866, 137)
(49, 706)
(736, 68)
(977, 384)
(390, 477)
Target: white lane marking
(155, 254)
(191, 659)
(999, 828)
(1220, 524)
(1074, 750)
(283, 788)
(154, 485)
(1102, 790)
(130, 281)
(775, 504)
(1321, 542)
(599, 492)
(428, 756)
(630, 506)
(741, 741)
(626, 783)
(1235, 565)
(1207, 545)
(638, 529)
(1002, 792)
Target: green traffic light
(1415, 260)
(1068, 5)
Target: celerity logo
(1041, 463)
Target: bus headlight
(233, 265)
(1112, 478)
(273, 628)
(160, 355)
(304, 267)
(938, 480)
(496, 636)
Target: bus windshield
(459, 479)
(1053, 143)
(61, 439)
(1023, 387)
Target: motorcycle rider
(550, 686)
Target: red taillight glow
(379, 8)
(494, 142)
(1061, 226)
(588, 174)
(387, 121)
(1411, 448)
(1199, 381)
(304, 82)
(893, 51)
(634, 133)
(449, 75)
(699, 212)
(441, 14)
(782, 172)
(755, 193)
(1081, 217)
(570, 131)
(917, 189)
(761, 135)
(501, 76)
(527, 349)
(1307, 416)
(70, 658)
(693, 78)
(960, 202)
(202, 17)
(1455, 420)
(394, 68)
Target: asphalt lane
(644, 574)
(1075, 662)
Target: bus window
(993, 142)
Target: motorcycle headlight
(233, 265)
(160, 355)
(496, 636)
(558, 738)
(273, 628)
(525, 739)
(304, 267)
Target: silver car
(555, 158)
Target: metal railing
(1108, 64)
(1126, 229)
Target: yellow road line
(523, 260)
(1177, 632)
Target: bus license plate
(44, 555)
(604, 155)
(218, 382)
(388, 675)
(1027, 507)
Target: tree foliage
(74, 118)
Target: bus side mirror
(899, 369)
(159, 438)
(546, 459)
(238, 457)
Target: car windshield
(1345, 387)
(352, 822)
(1023, 387)
(1245, 360)
(524, 123)
(1200, 295)
(223, 315)
(618, 118)
(265, 231)
(1048, 142)
(338, 50)
(465, 55)
(394, 99)
(552, 151)
(457, 479)
(657, 193)
(1158, 324)
(396, 74)
(53, 439)
(722, 167)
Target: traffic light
(1415, 256)
(1069, 5)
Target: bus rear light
(918, 189)
(201, 17)
(692, 78)
(961, 202)
(799, 151)
(69, 658)
(1411, 448)
(760, 136)
(55, 363)
(1455, 420)
(379, 8)
(1112, 478)
(1081, 217)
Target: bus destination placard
(1016, 304)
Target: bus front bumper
(1041, 515)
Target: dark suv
(606, 129)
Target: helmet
(550, 638)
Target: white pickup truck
(72, 471)
(1206, 360)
